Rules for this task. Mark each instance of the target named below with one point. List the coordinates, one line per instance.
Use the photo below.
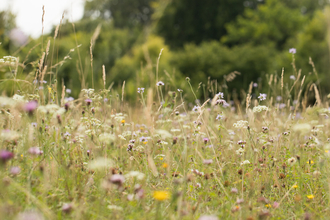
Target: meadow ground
(100, 157)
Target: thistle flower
(117, 179)
(5, 156)
(206, 140)
(15, 170)
(30, 107)
(88, 101)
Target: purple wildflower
(30, 107)
(5, 155)
(15, 170)
(292, 50)
(88, 101)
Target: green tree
(125, 13)
(194, 21)
(271, 23)
(7, 23)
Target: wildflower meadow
(169, 155)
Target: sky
(29, 13)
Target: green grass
(254, 159)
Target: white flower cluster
(240, 151)
(245, 162)
(241, 124)
(51, 109)
(107, 138)
(9, 60)
(260, 108)
(135, 174)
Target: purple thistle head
(15, 170)
(205, 140)
(30, 107)
(88, 101)
(117, 179)
(5, 156)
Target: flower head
(15, 170)
(117, 179)
(161, 195)
(30, 107)
(5, 155)
(88, 101)
(262, 96)
(292, 50)
(310, 196)
(160, 83)
(140, 90)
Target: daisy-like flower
(161, 195)
(160, 83)
(310, 196)
(220, 94)
(262, 96)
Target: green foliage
(194, 21)
(271, 23)
(215, 60)
(7, 23)
(128, 13)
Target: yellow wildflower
(310, 162)
(310, 196)
(268, 205)
(165, 165)
(123, 121)
(161, 195)
(295, 186)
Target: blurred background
(221, 45)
